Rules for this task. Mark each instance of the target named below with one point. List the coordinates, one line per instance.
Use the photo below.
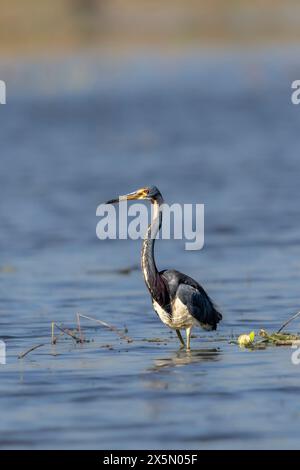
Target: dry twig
(289, 321)
(66, 331)
(23, 354)
(106, 325)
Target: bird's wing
(191, 294)
(199, 305)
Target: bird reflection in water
(184, 358)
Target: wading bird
(179, 301)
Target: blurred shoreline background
(65, 26)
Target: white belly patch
(180, 318)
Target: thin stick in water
(69, 333)
(53, 339)
(106, 325)
(289, 321)
(79, 327)
(23, 354)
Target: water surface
(216, 129)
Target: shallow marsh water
(213, 128)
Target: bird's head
(148, 193)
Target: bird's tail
(212, 318)
(216, 317)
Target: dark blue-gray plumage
(193, 296)
(179, 300)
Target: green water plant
(270, 339)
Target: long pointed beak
(113, 201)
(126, 197)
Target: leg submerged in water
(180, 338)
(188, 339)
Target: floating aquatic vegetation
(249, 341)
(280, 339)
(246, 340)
(269, 339)
(154, 340)
(77, 334)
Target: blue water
(205, 127)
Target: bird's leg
(188, 338)
(180, 338)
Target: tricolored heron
(179, 300)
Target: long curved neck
(150, 272)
